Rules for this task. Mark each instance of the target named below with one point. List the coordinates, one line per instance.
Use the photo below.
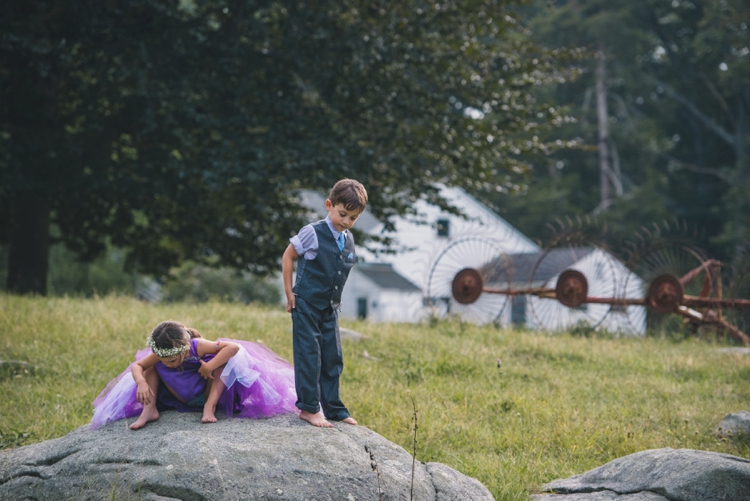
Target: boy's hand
(144, 393)
(205, 372)
(291, 303)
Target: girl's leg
(214, 389)
(149, 412)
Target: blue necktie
(340, 242)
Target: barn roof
(386, 277)
(519, 268)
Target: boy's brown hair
(350, 193)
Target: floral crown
(166, 352)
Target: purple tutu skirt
(258, 383)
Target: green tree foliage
(181, 130)
(105, 275)
(677, 95)
(199, 284)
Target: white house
(424, 235)
(376, 292)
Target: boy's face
(341, 218)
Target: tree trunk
(603, 126)
(28, 259)
(740, 206)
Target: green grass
(558, 405)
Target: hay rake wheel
(655, 268)
(588, 275)
(458, 275)
(668, 269)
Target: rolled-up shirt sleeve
(305, 242)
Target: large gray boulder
(176, 457)
(658, 475)
(735, 425)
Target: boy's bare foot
(315, 419)
(146, 416)
(208, 416)
(349, 420)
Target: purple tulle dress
(258, 383)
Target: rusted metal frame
(690, 275)
(714, 302)
(706, 288)
(534, 291)
(616, 301)
(711, 318)
(716, 272)
(546, 293)
(711, 283)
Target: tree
(671, 81)
(183, 131)
(609, 175)
(704, 71)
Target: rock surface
(735, 425)
(658, 475)
(177, 457)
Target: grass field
(557, 406)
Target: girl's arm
(144, 392)
(141, 365)
(224, 351)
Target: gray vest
(320, 281)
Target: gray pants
(318, 360)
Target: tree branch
(717, 129)
(698, 169)
(715, 93)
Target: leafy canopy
(181, 130)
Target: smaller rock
(601, 496)
(736, 349)
(350, 334)
(658, 475)
(450, 486)
(734, 425)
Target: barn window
(518, 310)
(443, 227)
(362, 308)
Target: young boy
(327, 249)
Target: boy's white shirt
(306, 241)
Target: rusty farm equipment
(577, 282)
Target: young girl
(181, 370)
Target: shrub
(196, 283)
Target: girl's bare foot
(349, 420)
(146, 416)
(208, 416)
(315, 419)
